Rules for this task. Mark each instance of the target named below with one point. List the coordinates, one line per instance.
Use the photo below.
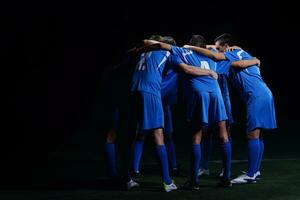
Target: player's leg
(137, 153)
(110, 152)
(253, 158)
(162, 155)
(206, 148)
(153, 119)
(253, 151)
(261, 153)
(196, 156)
(109, 146)
(225, 147)
(132, 115)
(168, 137)
(218, 116)
(163, 159)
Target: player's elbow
(219, 56)
(237, 64)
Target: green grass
(281, 180)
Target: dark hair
(223, 39)
(198, 40)
(156, 37)
(169, 40)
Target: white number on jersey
(141, 64)
(204, 65)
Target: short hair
(225, 38)
(156, 37)
(169, 40)
(198, 40)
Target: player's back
(205, 83)
(249, 80)
(147, 76)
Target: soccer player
(257, 97)
(148, 110)
(223, 76)
(205, 106)
(169, 97)
(115, 79)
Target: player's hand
(258, 61)
(214, 75)
(187, 46)
(232, 48)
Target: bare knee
(159, 136)
(111, 136)
(254, 134)
(197, 136)
(223, 134)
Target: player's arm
(196, 71)
(245, 63)
(146, 48)
(211, 46)
(141, 48)
(207, 52)
(162, 45)
(233, 48)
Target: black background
(53, 56)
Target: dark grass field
(77, 170)
(281, 180)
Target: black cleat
(189, 185)
(225, 182)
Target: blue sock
(111, 158)
(137, 154)
(226, 159)
(163, 158)
(206, 146)
(261, 153)
(196, 157)
(171, 153)
(253, 156)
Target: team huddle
(202, 73)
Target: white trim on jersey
(164, 59)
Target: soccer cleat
(131, 184)
(136, 176)
(224, 182)
(222, 173)
(203, 172)
(257, 175)
(242, 179)
(170, 187)
(189, 185)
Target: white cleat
(242, 179)
(257, 175)
(203, 172)
(131, 184)
(170, 187)
(222, 173)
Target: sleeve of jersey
(232, 56)
(175, 61)
(176, 50)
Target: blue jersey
(248, 80)
(169, 87)
(147, 76)
(223, 66)
(254, 91)
(201, 91)
(204, 83)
